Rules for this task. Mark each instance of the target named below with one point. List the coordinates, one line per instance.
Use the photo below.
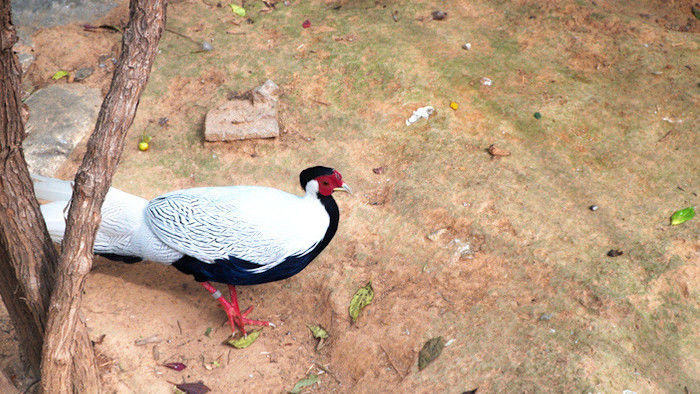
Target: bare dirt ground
(535, 306)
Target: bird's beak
(344, 188)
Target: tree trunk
(63, 368)
(28, 258)
(6, 386)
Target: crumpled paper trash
(423, 112)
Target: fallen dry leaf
(431, 350)
(176, 366)
(146, 341)
(361, 299)
(193, 388)
(496, 151)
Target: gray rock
(25, 57)
(60, 116)
(241, 119)
(83, 73)
(30, 15)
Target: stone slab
(251, 117)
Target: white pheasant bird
(238, 235)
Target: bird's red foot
(235, 317)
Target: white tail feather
(51, 189)
(55, 221)
(122, 229)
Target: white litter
(462, 249)
(423, 112)
(486, 82)
(669, 120)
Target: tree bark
(28, 258)
(6, 386)
(63, 368)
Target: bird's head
(323, 180)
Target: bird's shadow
(166, 279)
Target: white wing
(256, 224)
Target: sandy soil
(534, 247)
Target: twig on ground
(326, 370)
(665, 135)
(180, 34)
(320, 102)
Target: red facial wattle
(327, 184)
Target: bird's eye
(325, 183)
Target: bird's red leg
(232, 311)
(234, 301)
(235, 318)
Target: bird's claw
(247, 311)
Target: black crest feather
(312, 173)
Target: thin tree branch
(27, 256)
(63, 368)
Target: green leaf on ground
(696, 11)
(431, 350)
(682, 216)
(318, 331)
(244, 342)
(306, 382)
(361, 299)
(60, 74)
(240, 11)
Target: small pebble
(83, 73)
(486, 82)
(102, 61)
(546, 317)
(593, 207)
(439, 15)
(207, 46)
(467, 46)
(615, 252)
